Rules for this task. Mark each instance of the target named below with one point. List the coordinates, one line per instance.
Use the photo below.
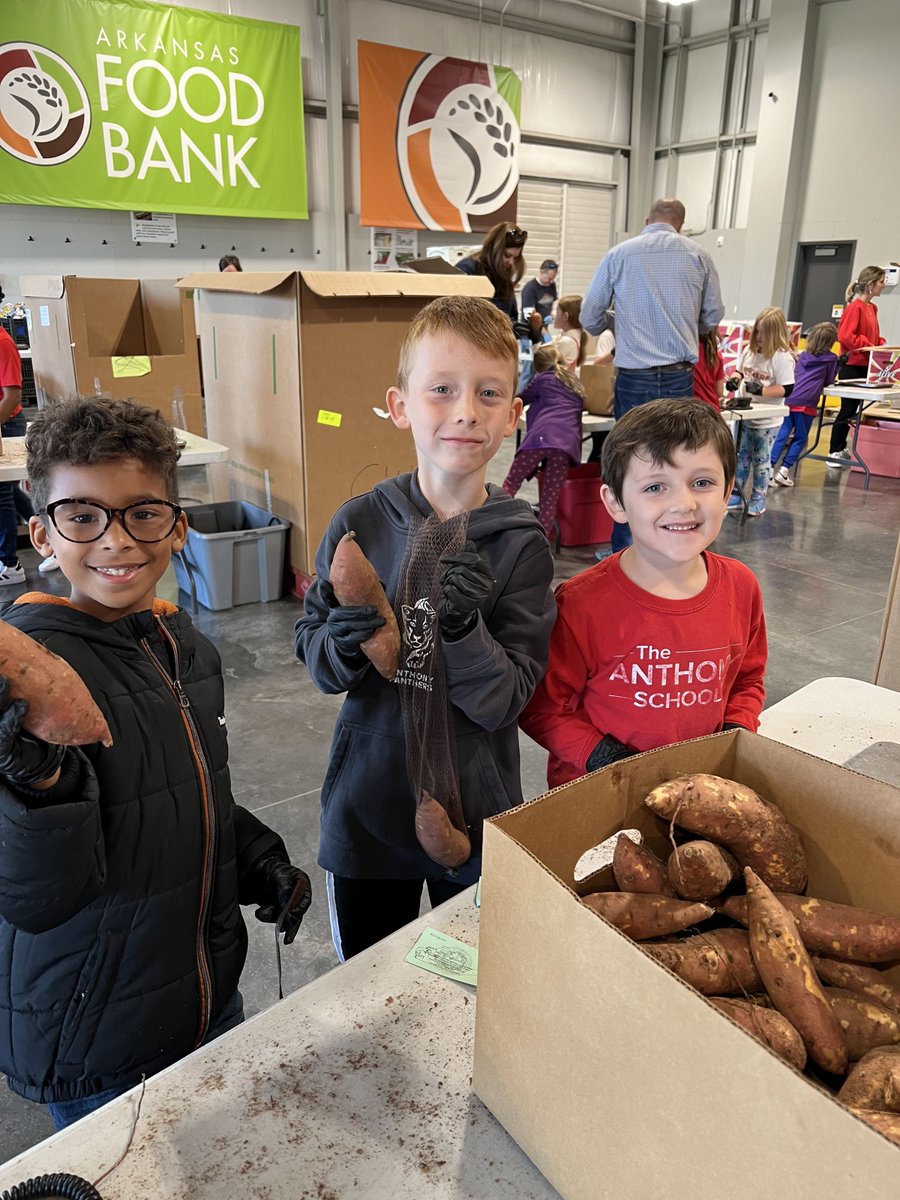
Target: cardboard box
(734, 339)
(615, 1077)
(887, 661)
(295, 367)
(884, 366)
(135, 338)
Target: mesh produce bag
(421, 679)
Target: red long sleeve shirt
(647, 670)
(859, 327)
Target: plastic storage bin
(878, 444)
(234, 554)
(580, 514)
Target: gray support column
(645, 89)
(776, 191)
(332, 11)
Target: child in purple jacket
(816, 370)
(555, 401)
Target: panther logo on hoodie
(418, 632)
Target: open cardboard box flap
(43, 287)
(341, 284)
(614, 1076)
(253, 282)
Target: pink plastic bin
(879, 447)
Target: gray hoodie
(367, 825)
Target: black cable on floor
(53, 1187)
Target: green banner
(148, 107)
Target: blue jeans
(67, 1112)
(635, 388)
(14, 427)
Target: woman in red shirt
(858, 328)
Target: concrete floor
(823, 555)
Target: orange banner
(439, 140)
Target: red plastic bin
(878, 444)
(581, 515)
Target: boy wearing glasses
(121, 870)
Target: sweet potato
(885, 1122)
(836, 930)
(787, 973)
(864, 1024)
(644, 916)
(438, 836)
(854, 977)
(716, 964)
(60, 708)
(767, 1026)
(701, 870)
(733, 815)
(355, 581)
(874, 1082)
(637, 869)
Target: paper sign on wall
(438, 140)
(154, 227)
(143, 106)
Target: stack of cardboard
(295, 367)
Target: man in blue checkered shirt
(665, 290)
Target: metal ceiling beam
(457, 8)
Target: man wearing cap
(665, 290)
(540, 293)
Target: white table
(197, 452)
(359, 1084)
(871, 398)
(836, 719)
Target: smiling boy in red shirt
(665, 640)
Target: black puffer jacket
(121, 938)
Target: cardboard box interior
(616, 1078)
(296, 367)
(80, 324)
(887, 661)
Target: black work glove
(349, 624)
(753, 388)
(24, 759)
(277, 884)
(465, 584)
(732, 383)
(608, 750)
(842, 361)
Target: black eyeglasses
(85, 521)
(516, 236)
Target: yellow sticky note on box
(130, 366)
(330, 418)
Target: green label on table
(444, 955)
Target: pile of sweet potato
(805, 976)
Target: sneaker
(48, 564)
(757, 506)
(781, 477)
(837, 458)
(11, 575)
(735, 502)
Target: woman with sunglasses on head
(501, 260)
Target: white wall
(570, 90)
(852, 171)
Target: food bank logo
(45, 117)
(438, 139)
(457, 141)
